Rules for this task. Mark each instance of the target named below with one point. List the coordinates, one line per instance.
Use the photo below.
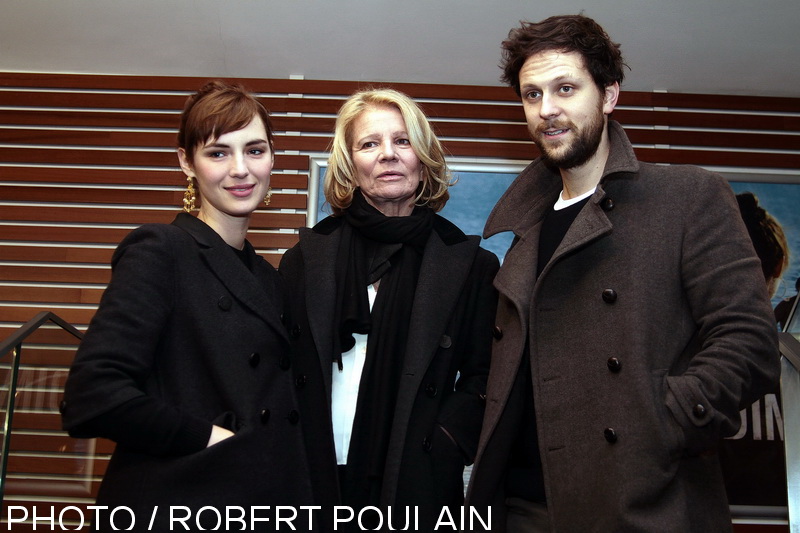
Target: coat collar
(260, 298)
(523, 206)
(446, 263)
(537, 187)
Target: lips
(241, 190)
(390, 174)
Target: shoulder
(153, 238)
(674, 188)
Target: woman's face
(232, 172)
(387, 169)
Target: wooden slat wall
(85, 159)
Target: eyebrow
(254, 142)
(398, 133)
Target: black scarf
(376, 247)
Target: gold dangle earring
(189, 196)
(268, 197)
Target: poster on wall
(753, 460)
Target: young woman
(186, 363)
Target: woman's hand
(218, 434)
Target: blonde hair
(340, 177)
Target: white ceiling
(692, 46)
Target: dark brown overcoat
(649, 329)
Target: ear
(186, 166)
(610, 96)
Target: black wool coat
(185, 323)
(445, 368)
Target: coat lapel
(441, 278)
(319, 257)
(259, 298)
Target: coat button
(699, 410)
(426, 444)
(295, 331)
(445, 342)
(62, 406)
(254, 359)
(285, 362)
(610, 435)
(300, 381)
(293, 417)
(614, 364)
(497, 332)
(431, 390)
(224, 303)
(264, 415)
(609, 296)
(607, 204)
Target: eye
(532, 95)
(256, 151)
(216, 154)
(403, 141)
(368, 144)
(566, 89)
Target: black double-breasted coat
(185, 322)
(444, 373)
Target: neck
(233, 230)
(579, 180)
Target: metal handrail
(32, 325)
(13, 345)
(790, 396)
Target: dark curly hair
(564, 33)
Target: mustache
(554, 125)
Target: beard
(579, 150)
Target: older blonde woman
(391, 320)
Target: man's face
(565, 110)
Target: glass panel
(46, 470)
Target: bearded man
(633, 321)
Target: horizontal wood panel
(100, 215)
(29, 421)
(132, 196)
(69, 254)
(55, 442)
(33, 355)
(55, 465)
(88, 156)
(508, 112)
(42, 335)
(517, 132)
(127, 177)
(65, 488)
(418, 90)
(76, 317)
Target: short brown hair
(216, 109)
(564, 33)
(340, 176)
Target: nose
(238, 167)
(387, 150)
(548, 106)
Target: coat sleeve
(104, 395)
(461, 414)
(733, 359)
